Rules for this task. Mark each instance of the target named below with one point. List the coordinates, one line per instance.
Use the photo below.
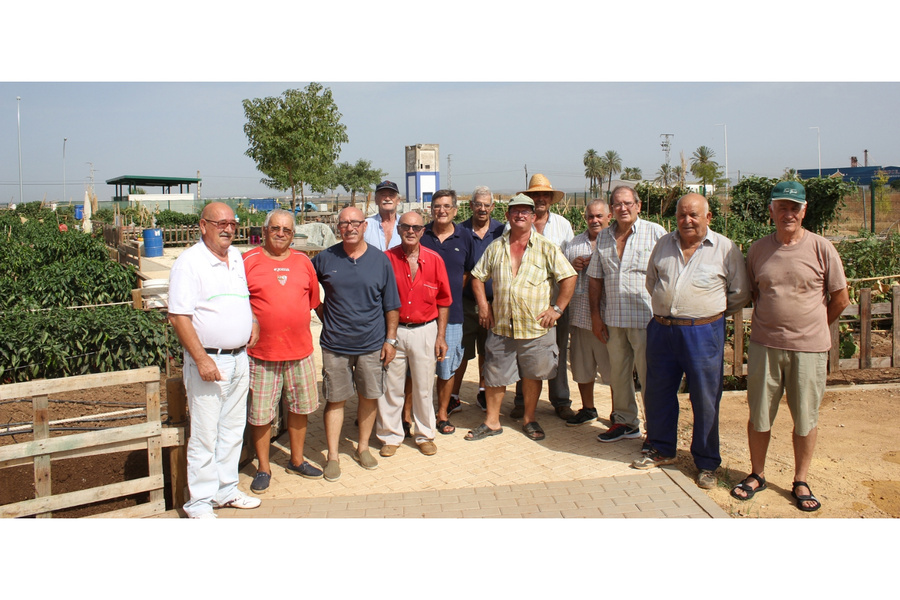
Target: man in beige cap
(558, 230)
(520, 344)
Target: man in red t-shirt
(425, 300)
(283, 290)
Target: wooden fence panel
(42, 448)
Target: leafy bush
(61, 343)
(43, 268)
(171, 218)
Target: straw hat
(539, 183)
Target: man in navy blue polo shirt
(359, 318)
(484, 230)
(454, 245)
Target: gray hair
(277, 213)
(482, 190)
(596, 202)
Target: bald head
(411, 218)
(693, 217)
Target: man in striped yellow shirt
(521, 343)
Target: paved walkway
(569, 474)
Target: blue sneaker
(305, 470)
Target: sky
(489, 133)
(498, 108)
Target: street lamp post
(64, 169)
(19, 128)
(726, 159)
(819, 143)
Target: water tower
(423, 177)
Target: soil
(855, 471)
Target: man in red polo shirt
(283, 290)
(425, 301)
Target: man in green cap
(798, 288)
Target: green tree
(704, 167)
(593, 171)
(611, 163)
(295, 138)
(664, 175)
(632, 174)
(358, 177)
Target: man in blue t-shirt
(359, 333)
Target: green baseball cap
(789, 190)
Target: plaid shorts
(267, 380)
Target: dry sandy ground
(856, 467)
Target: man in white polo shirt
(209, 307)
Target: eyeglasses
(284, 230)
(407, 227)
(625, 205)
(480, 204)
(520, 211)
(443, 207)
(223, 225)
(345, 224)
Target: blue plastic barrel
(79, 212)
(153, 242)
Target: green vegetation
(42, 272)
(358, 177)
(295, 138)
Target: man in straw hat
(558, 230)
(520, 344)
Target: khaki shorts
(588, 356)
(772, 372)
(345, 375)
(268, 378)
(507, 360)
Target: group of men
(405, 302)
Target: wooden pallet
(44, 449)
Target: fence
(43, 450)
(865, 314)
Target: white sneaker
(206, 515)
(240, 501)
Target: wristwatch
(391, 341)
(557, 309)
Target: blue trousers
(697, 352)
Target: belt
(687, 322)
(224, 350)
(414, 325)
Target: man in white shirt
(209, 307)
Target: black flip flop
(443, 425)
(481, 432)
(745, 487)
(533, 431)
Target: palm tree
(632, 174)
(612, 164)
(703, 166)
(664, 175)
(592, 169)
